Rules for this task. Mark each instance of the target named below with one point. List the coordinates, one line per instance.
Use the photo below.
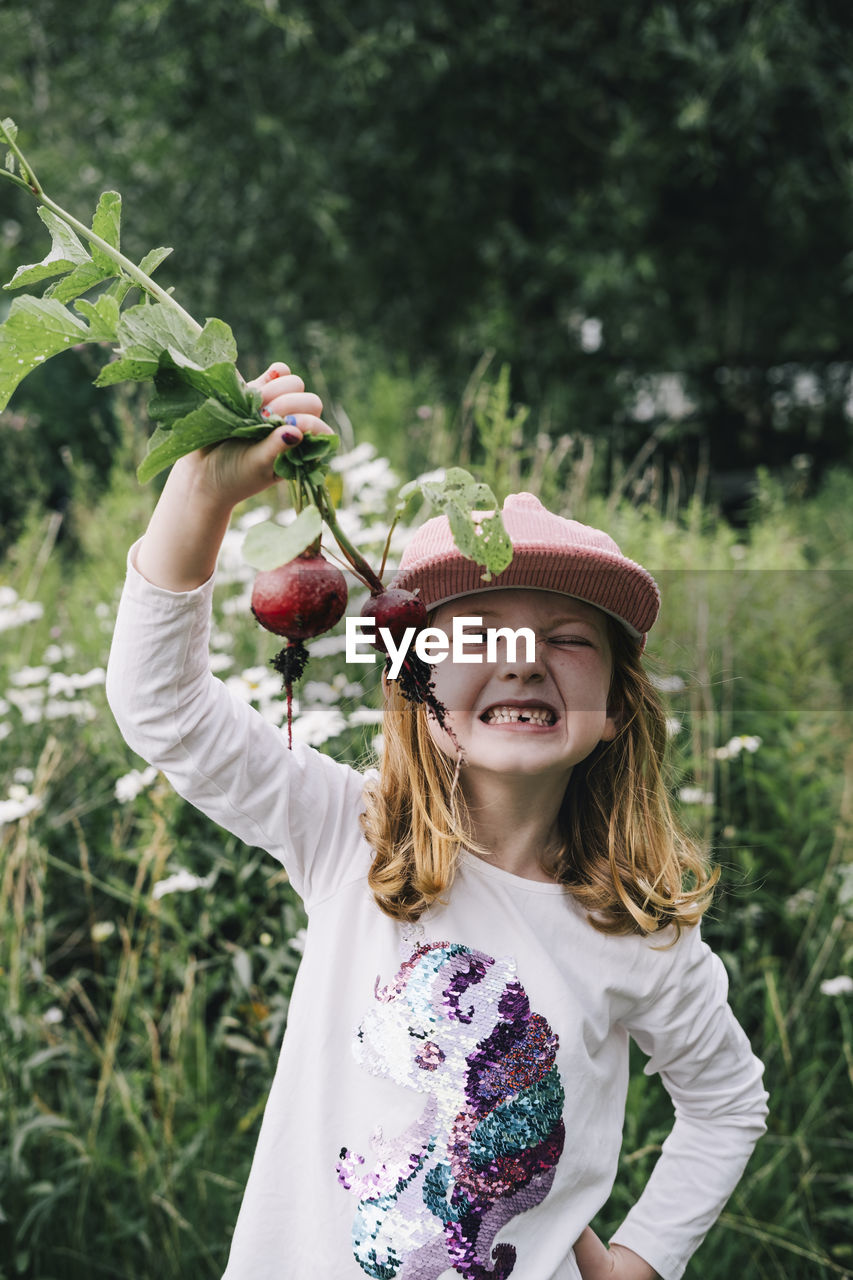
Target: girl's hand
(180, 547)
(229, 472)
(597, 1262)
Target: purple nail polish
(291, 437)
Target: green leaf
(145, 332)
(107, 224)
(66, 253)
(215, 345)
(206, 425)
(80, 280)
(475, 521)
(172, 399)
(36, 329)
(152, 260)
(149, 264)
(126, 369)
(10, 133)
(310, 451)
(221, 380)
(103, 315)
(209, 366)
(150, 328)
(268, 545)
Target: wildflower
(52, 1016)
(695, 795)
(365, 715)
(80, 709)
(129, 786)
(735, 746)
(315, 691)
(29, 676)
(590, 334)
(58, 653)
(18, 805)
(182, 881)
(18, 612)
(840, 986)
(101, 930)
(327, 645)
(59, 683)
(317, 724)
(265, 939)
(668, 684)
(801, 902)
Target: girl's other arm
(597, 1262)
(182, 542)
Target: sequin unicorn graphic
(457, 1026)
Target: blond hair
(624, 856)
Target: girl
(485, 933)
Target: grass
(140, 1032)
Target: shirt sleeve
(694, 1042)
(218, 752)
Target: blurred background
(597, 250)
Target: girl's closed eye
(569, 640)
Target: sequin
(456, 1025)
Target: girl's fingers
(280, 384)
(300, 424)
(277, 370)
(293, 402)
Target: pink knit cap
(549, 553)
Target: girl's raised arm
(216, 750)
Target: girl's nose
(526, 663)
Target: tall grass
(140, 1020)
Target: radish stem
(361, 568)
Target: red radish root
(298, 600)
(396, 610)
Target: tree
(643, 208)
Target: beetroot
(394, 610)
(298, 600)
(301, 599)
(397, 610)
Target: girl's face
(516, 715)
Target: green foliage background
(635, 221)
(413, 184)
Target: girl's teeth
(510, 715)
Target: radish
(298, 600)
(395, 611)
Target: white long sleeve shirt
(450, 1096)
